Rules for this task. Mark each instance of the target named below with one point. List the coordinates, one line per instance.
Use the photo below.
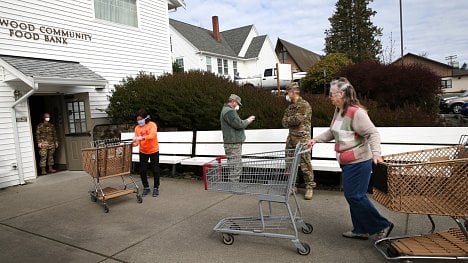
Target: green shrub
(193, 101)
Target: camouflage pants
(47, 156)
(305, 165)
(234, 157)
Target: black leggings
(154, 159)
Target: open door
(78, 126)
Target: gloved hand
(251, 118)
(138, 138)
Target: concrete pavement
(53, 220)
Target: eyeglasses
(332, 94)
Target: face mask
(47, 119)
(288, 99)
(237, 107)
(141, 122)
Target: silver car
(453, 104)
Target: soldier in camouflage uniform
(47, 142)
(297, 117)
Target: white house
(239, 51)
(64, 57)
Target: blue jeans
(365, 217)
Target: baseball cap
(236, 98)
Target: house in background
(453, 80)
(238, 52)
(300, 58)
(64, 57)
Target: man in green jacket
(233, 128)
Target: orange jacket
(149, 132)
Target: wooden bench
(176, 147)
(393, 140)
(173, 147)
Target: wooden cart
(108, 159)
(429, 182)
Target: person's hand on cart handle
(311, 143)
(377, 159)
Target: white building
(64, 57)
(239, 51)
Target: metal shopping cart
(107, 159)
(428, 182)
(270, 177)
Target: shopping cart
(428, 182)
(107, 159)
(270, 177)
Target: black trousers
(154, 160)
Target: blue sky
(433, 28)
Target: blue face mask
(142, 122)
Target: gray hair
(349, 93)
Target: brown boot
(308, 194)
(51, 169)
(43, 171)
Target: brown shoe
(51, 170)
(43, 171)
(308, 194)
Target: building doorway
(52, 104)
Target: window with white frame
(209, 67)
(76, 117)
(117, 11)
(220, 66)
(446, 84)
(225, 66)
(234, 67)
(180, 63)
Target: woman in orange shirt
(146, 136)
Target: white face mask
(288, 99)
(47, 119)
(237, 107)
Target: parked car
(453, 104)
(464, 109)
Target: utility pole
(451, 59)
(401, 33)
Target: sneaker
(146, 191)
(308, 194)
(384, 232)
(155, 192)
(351, 234)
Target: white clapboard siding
(114, 52)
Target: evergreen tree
(352, 31)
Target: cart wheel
(139, 199)
(106, 209)
(228, 239)
(93, 198)
(307, 229)
(304, 252)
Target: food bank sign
(49, 34)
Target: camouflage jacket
(297, 117)
(46, 134)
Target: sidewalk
(54, 220)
